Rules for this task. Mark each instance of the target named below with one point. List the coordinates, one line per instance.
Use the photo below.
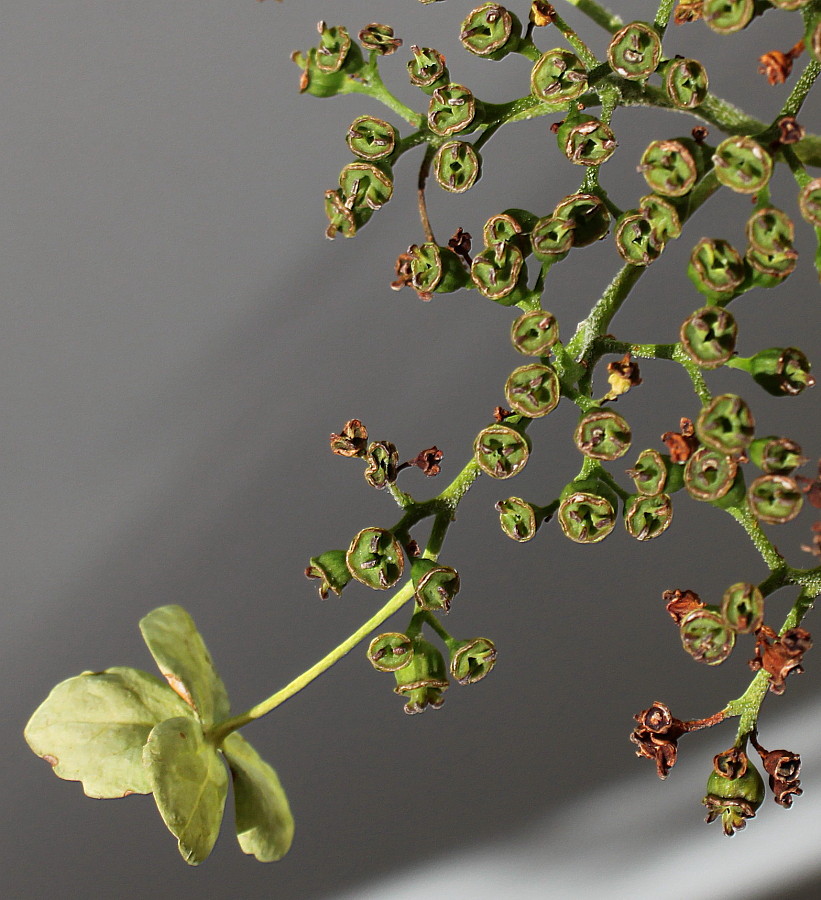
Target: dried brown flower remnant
(687, 11)
(681, 444)
(812, 488)
(428, 461)
(461, 243)
(624, 374)
(700, 134)
(679, 603)
(353, 441)
(656, 736)
(780, 656)
(777, 65)
(541, 13)
(789, 131)
(500, 414)
(783, 768)
(731, 763)
(402, 270)
(815, 547)
(380, 38)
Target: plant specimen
(124, 731)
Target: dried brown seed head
(352, 441)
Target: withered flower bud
(380, 39)
(353, 441)
(789, 131)
(783, 768)
(700, 133)
(687, 11)
(780, 656)
(777, 65)
(500, 414)
(681, 444)
(679, 603)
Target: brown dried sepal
(687, 11)
(716, 806)
(780, 656)
(656, 736)
(500, 414)
(402, 270)
(353, 441)
(541, 13)
(680, 603)
(777, 64)
(681, 444)
(815, 547)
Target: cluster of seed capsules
(376, 558)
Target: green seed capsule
(809, 202)
(435, 268)
(534, 333)
(654, 472)
(366, 186)
(707, 636)
(375, 558)
(452, 110)
(509, 225)
(602, 434)
(743, 607)
(636, 239)
(726, 424)
(390, 651)
(663, 217)
(434, 585)
(456, 166)
(496, 272)
(533, 390)
(775, 499)
(776, 455)
(519, 519)
(671, 167)
(709, 336)
(500, 451)
(742, 164)
(559, 76)
(331, 570)
(552, 238)
(770, 230)
(647, 517)
(585, 140)
(768, 270)
(427, 69)
(490, 31)
(371, 138)
(635, 51)
(734, 800)
(781, 371)
(589, 216)
(727, 16)
(716, 268)
(709, 474)
(471, 661)
(587, 512)
(379, 39)
(425, 680)
(382, 459)
(685, 82)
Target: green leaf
(265, 826)
(185, 662)
(92, 728)
(190, 784)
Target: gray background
(178, 340)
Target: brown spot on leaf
(179, 688)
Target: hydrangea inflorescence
(122, 731)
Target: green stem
(762, 543)
(663, 14)
(586, 55)
(373, 86)
(801, 88)
(222, 729)
(599, 14)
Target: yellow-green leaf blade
(190, 784)
(265, 826)
(92, 728)
(185, 662)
